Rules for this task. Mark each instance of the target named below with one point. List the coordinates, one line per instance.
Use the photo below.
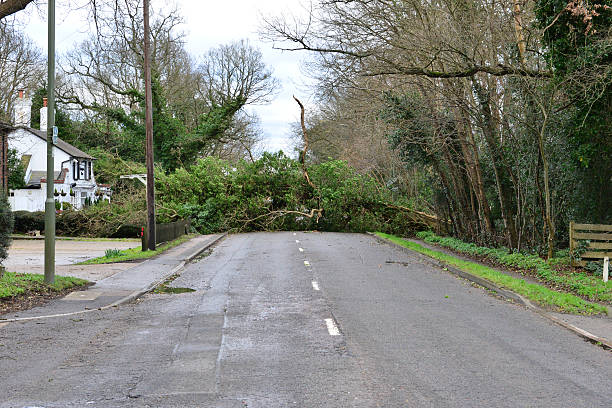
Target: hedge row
(72, 224)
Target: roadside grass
(14, 284)
(558, 301)
(556, 272)
(134, 254)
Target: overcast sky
(209, 24)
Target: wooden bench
(599, 237)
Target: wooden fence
(599, 237)
(167, 232)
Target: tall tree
(195, 103)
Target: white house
(74, 180)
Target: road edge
(605, 343)
(132, 296)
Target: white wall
(28, 200)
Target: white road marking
(306, 263)
(332, 328)
(297, 241)
(301, 249)
(294, 234)
(315, 285)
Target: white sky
(207, 25)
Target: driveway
(27, 256)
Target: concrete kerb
(605, 343)
(132, 296)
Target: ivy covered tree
(6, 228)
(578, 37)
(16, 172)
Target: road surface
(305, 320)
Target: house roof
(36, 176)
(66, 147)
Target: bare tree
(237, 71)
(21, 66)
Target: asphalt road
(343, 322)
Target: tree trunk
(499, 167)
(548, 218)
(470, 153)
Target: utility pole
(149, 131)
(50, 201)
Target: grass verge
(134, 254)
(545, 297)
(16, 284)
(556, 272)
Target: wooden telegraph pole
(149, 131)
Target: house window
(83, 198)
(75, 170)
(88, 170)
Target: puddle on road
(165, 289)
(171, 290)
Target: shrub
(6, 227)
(111, 253)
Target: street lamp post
(50, 201)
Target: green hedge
(26, 221)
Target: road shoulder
(600, 331)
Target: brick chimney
(43, 115)
(23, 109)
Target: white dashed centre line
(294, 234)
(297, 241)
(301, 249)
(315, 285)
(332, 328)
(306, 263)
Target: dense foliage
(267, 194)
(498, 112)
(272, 194)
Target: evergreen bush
(26, 221)
(6, 228)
